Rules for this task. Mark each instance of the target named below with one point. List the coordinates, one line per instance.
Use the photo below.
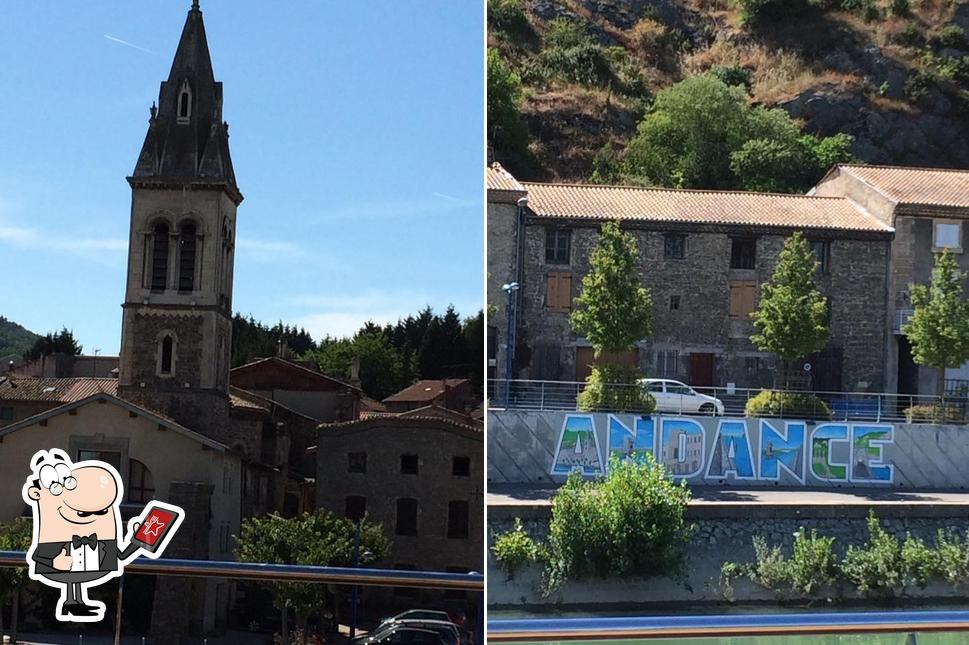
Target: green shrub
(871, 12)
(759, 11)
(613, 388)
(951, 558)
(564, 33)
(876, 567)
(935, 413)
(899, 8)
(771, 403)
(919, 83)
(952, 36)
(507, 17)
(812, 565)
(919, 562)
(515, 549)
(628, 524)
(911, 36)
(733, 75)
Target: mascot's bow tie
(79, 540)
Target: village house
(928, 208)
(419, 476)
(450, 393)
(704, 255)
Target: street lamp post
(356, 563)
(510, 289)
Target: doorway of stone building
(701, 370)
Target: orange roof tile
(426, 390)
(497, 178)
(699, 207)
(55, 390)
(916, 186)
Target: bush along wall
(627, 524)
(883, 568)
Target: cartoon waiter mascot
(77, 522)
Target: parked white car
(679, 398)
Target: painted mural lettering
(682, 446)
(824, 440)
(578, 447)
(782, 450)
(631, 444)
(765, 450)
(731, 452)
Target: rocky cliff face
(899, 84)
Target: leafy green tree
(703, 133)
(939, 328)
(319, 538)
(61, 342)
(14, 536)
(613, 311)
(506, 131)
(791, 318)
(381, 367)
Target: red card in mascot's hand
(157, 523)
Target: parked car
(402, 634)
(679, 398)
(446, 631)
(418, 614)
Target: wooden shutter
(559, 292)
(743, 298)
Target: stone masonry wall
(715, 540)
(855, 284)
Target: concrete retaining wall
(541, 447)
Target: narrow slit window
(167, 351)
(184, 102)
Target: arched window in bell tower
(159, 257)
(184, 102)
(166, 356)
(187, 245)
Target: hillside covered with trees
(739, 94)
(422, 346)
(14, 338)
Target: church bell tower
(177, 321)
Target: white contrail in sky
(125, 42)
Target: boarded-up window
(559, 292)
(743, 298)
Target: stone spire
(187, 140)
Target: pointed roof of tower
(187, 144)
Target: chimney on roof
(355, 371)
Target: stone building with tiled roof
(170, 422)
(929, 210)
(704, 255)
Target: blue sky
(357, 140)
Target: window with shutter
(559, 292)
(743, 299)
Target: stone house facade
(929, 209)
(420, 477)
(704, 256)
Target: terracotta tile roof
(497, 178)
(55, 390)
(699, 207)
(371, 405)
(916, 186)
(426, 390)
(241, 399)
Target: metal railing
(741, 627)
(263, 572)
(562, 396)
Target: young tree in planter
(14, 536)
(319, 538)
(613, 311)
(939, 328)
(791, 316)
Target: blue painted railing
(739, 625)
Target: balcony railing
(562, 396)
